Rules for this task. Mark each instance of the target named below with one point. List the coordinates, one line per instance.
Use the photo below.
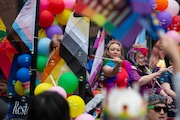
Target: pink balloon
(174, 34)
(85, 116)
(59, 90)
(69, 4)
(44, 4)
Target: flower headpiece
(144, 51)
(113, 41)
(134, 51)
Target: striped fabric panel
(2, 26)
(25, 22)
(56, 66)
(106, 13)
(97, 62)
(7, 52)
(16, 41)
(74, 47)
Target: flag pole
(34, 52)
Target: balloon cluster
(59, 10)
(22, 85)
(167, 13)
(52, 15)
(166, 10)
(67, 84)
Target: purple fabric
(147, 88)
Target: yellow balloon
(18, 88)
(42, 33)
(76, 105)
(63, 17)
(42, 87)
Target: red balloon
(56, 6)
(175, 25)
(46, 18)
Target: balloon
(153, 4)
(63, 17)
(56, 6)
(173, 7)
(175, 25)
(68, 81)
(46, 18)
(41, 62)
(69, 4)
(24, 60)
(174, 34)
(41, 33)
(161, 4)
(42, 87)
(76, 105)
(43, 46)
(59, 90)
(165, 18)
(53, 29)
(18, 88)
(23, 75)
(85, 116)
(44, 4)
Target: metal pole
(34, 52)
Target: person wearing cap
(157, 107)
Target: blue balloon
(43, 46)
(23, 75)
(24, 60)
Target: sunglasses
(158, 108)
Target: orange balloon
(161, 5)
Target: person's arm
(168, 98)
(147, 78)
(167, 88)
(171, 50)
(112, 71)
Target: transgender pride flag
(25, 22)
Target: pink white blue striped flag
(24, 23)
(97, 62)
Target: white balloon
(173, 7)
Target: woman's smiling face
(114, 50)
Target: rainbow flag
(24, 24)
(7, 52)
(55, 67)
(118, 17)
(2, 29)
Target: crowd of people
(157, 77)
(153, 71)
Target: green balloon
(41, 62)
(68, 81)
